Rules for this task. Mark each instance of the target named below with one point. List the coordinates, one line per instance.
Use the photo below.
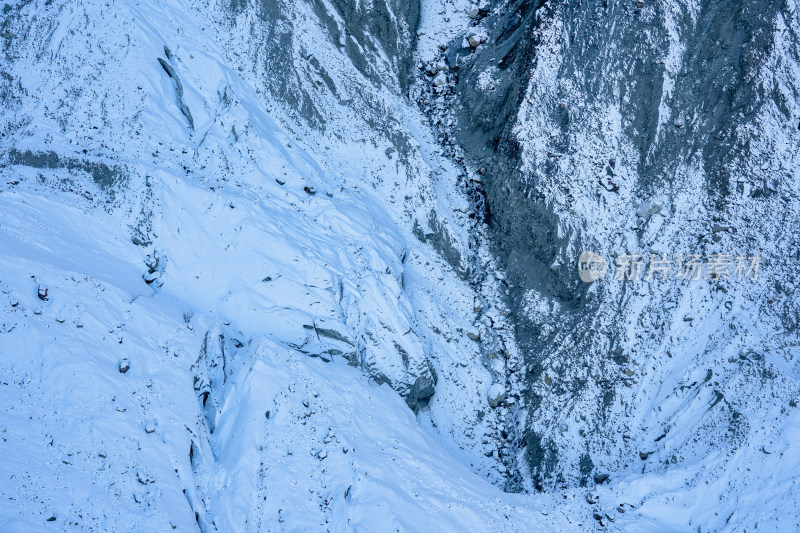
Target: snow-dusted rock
(496, 394)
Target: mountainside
(667, 132)
(309, 265)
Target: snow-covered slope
(248, 284)
(180, 212)
(667, 130)
(284, 441)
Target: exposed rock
(178, 91)
(648, 209)
(601, 478)
(476, 39)
(496, 394)
(422, 390)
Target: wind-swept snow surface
(207, 426)
(248, 283)
(216, 316)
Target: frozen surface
(238, 287)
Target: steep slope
(206, 206)
(282, 441)
(666, 130)
(313, 265)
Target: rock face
(621, 128)
(377, 38)
(384, 28)
(422, 390)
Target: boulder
(601, 478)
(423, 389)
(496, 394)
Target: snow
(440, 24)
(97, 432)
(695, 398)
(240, 290)
(271, 343)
